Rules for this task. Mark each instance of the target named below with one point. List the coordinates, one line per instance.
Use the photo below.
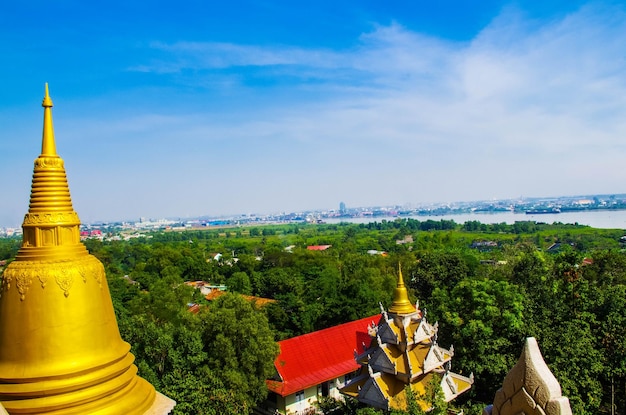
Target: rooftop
(320, 356)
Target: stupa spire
(401, 303)
(60, 348)
(48, 146)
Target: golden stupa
(60, 346)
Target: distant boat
(542, 211)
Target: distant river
(604, 219)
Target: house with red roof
(257, 301)
(318, 247)
(95, 233)
(316, 364)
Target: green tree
(412, 404)
(240, 283)
(240, 345)
(437, 269)
(484, 321)
(9, 247)
(201, 393)
(435, 397)
(573, 357)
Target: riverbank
(602, 219)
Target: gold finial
(47, 102)
(48, 146)
(401, 303)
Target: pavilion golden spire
(60, 348)
(401, 303)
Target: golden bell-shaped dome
(60, 346)
(401, 303)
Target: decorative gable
(387, 334)
(448, 387)
(435, 358)
(371, 394)
(380, 361)
(423, 332)
(530, 388)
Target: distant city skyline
(216, 109)
(579, 204)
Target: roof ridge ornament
(530, 387)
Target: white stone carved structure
(529, 388)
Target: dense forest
(488, 286)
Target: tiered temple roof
(404, 352)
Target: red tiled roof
(194, 308)
(318, 247)
(259, 301)
(214, 294)
(587, 261)
(317, 357)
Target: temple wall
(295, 405)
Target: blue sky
(192, 108)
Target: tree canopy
(489, 286)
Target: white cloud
(552, 88)
(527, 107)
(215, 55)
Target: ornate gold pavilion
(404, 353)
